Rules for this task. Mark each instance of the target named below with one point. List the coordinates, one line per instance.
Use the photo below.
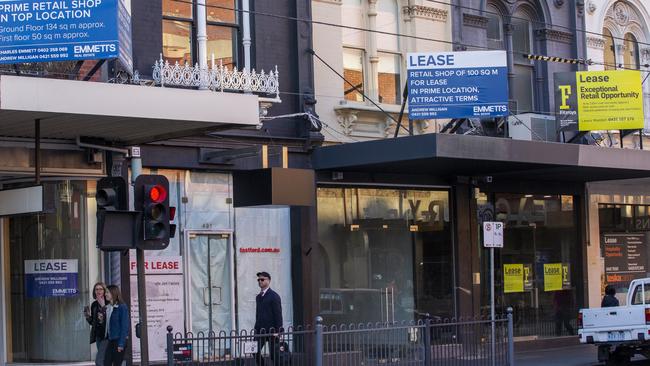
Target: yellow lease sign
(552, 276)
(609, 100)
(513, 278)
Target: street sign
(493, 234)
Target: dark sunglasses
(261, 279)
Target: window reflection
(353, 73)
(389, 78)
(177, 42)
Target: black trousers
(113, 358)
(272, 344)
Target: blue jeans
(101, 344)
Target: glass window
(387, 21)
(177, 41)
(177, 9)
(389, 78)
(631, 55)
(221, 45)
(523, 88)
(494, 28)
(521, 36)
(353, 72)
(352, 15)
(609, 50)
(386, 254)
(45, 321)
(541, 232)
(220, 11)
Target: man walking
(268, 317)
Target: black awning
(459, 155)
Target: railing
(216, 77)
(426, 343)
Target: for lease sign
(457, 84)
(51, 278)
(59, 30)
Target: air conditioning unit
(532, 127)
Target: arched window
(609, 57)
(523, 83)
(494, 28)
(631, 53)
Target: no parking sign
(493, 234)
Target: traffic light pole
(136, 170)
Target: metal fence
(426, 343)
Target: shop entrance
(211, 282)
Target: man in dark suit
(268, 317)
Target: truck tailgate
(613, 318)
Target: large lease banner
(625, 257)
(599, 100)
(59, 30)
(457, 84)
(553, 276)
(51, 278)
(164, 286)
(513, 278)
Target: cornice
(555, 35)
(426, 12)
(596, 42)
(476, 21)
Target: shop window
(387, 254)
(389, 78)
(179, 32)
(631, 55)
(541, 250)
(44, 313)
(353, 73)
(609, 50)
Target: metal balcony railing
(216, 78)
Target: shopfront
(400, 228)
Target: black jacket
(268, 312)
(98, 328)
(609, 301)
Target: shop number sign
(493, 234)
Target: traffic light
(115, 225)
(151, 197)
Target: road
(584, 355)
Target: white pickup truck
(619, 332)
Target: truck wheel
(618, 358)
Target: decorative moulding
(555, 35)
(595, 42)
(426, 12)
(336, 2)
(476, 21)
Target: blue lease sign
(51, 278)
(61, 30)
(472, 84)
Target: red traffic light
(157, 193)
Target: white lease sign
(493, 234)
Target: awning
(128, 114)
(447, 155)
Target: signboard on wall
(625, 257)
(51, 278)
(62, 30)
(164, 285)
(552, 276)
(457, 84)
(599, 100)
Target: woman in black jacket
(96, 317)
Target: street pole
(492, 317)
(136, 170)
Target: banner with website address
(599, 100)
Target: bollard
(170, 346)
(427, 340)
(319, 341)
(511, 343)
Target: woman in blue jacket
(117, 329)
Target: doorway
(211, 282)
